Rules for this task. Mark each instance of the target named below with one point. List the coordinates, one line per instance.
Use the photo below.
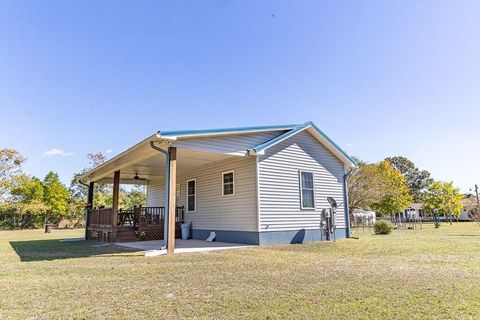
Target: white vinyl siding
(228, 144)
(214, 211)
(278, 203)
(156, 193)
(278, 179)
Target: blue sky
(381, 78)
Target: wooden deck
(138, 224)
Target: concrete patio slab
(184, 246)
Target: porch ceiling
(153, 167)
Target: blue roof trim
(333, 143)
(294, 131)
(224, 130)
(280, 138)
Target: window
(307, 191)
(191, 195)
(228, 184)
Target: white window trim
(195, 195)
(233, 184)
(301, 189)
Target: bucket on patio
(185, 231)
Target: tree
(56, 197)
(396, 195)
(20, 195)
(27, 189)
(417, 180)
(10, 165)
(474, 213)
(79, 190)
(26, 202)
(364, 186)
(134, 197)
(445, 198)
(10, 161)
(102, 191)
(378, 186)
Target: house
(252, 185)
(415, 211)
(468, 204)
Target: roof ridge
(262, 147)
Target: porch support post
(116, 192)
(167, 197)
(172, 177)
(88, 207)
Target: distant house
(468, 204)
(416, 209)
(254, 185)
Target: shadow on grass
(40, 250)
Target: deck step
(126, 236)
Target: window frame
(233, 183)
(301, 188)
(194, 196)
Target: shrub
(382, 227)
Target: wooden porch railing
(149, 215)
(139, 216)
(155, 215)
(179, 214)
(100, 217)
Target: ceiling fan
(136, 177)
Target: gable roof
(317, 133)
(291, 130)
(142, 150)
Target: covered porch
(151, 160)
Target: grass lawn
(421, 274)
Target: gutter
(83, 183)
(167, 192)
(345, 201)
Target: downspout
(345, 201)
(167, 192)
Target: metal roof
(291, 130)
(223, 131)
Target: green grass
(421, 274)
